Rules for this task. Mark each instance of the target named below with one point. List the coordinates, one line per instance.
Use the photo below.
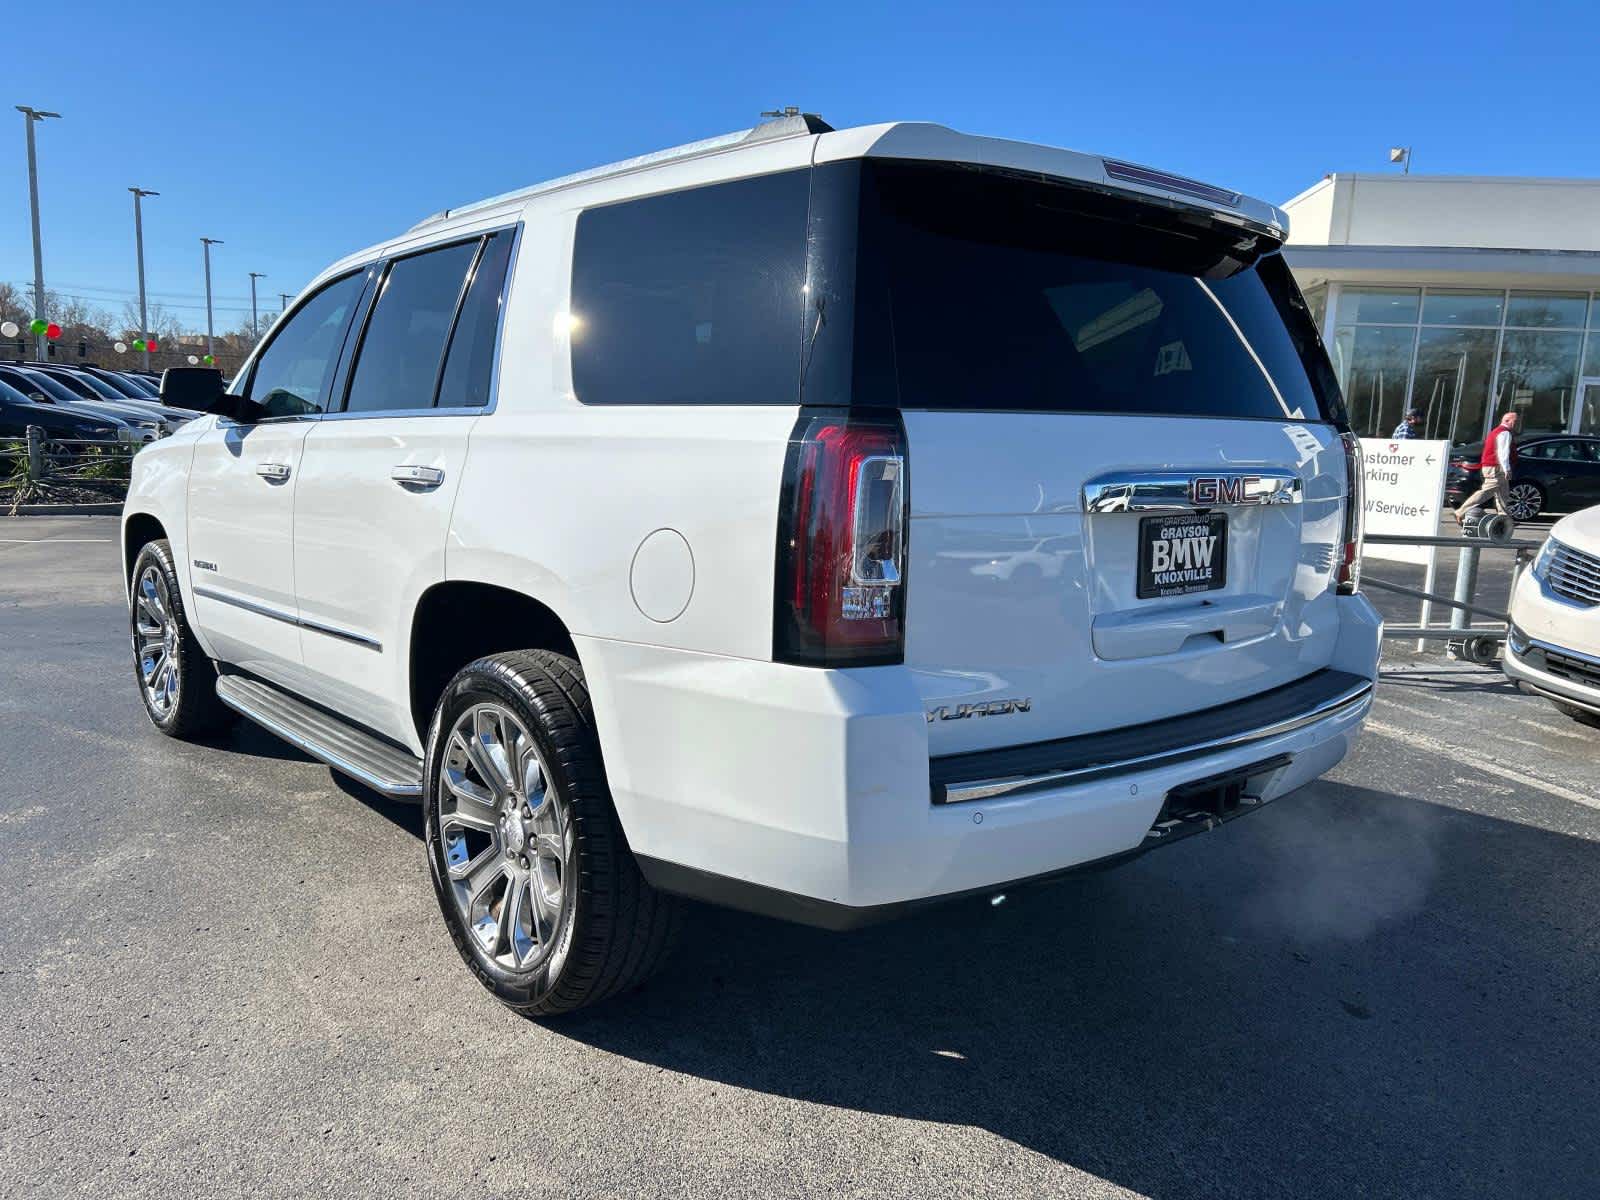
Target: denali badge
(990, 708)
(204, 565)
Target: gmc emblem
(1209, 490)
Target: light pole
(255, 332)
(138, 242)
(283, 302)
(210, 351)
(29, 116)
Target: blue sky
(299, 132)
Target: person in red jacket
(1498, 458)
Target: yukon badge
(989, 708)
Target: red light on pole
(52, 331)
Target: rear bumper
(807, 794)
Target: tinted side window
(1569, 451)
(469, 362)
(692, 297)
(294, 372)
(397, 366)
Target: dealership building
(1460, 296)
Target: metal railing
(1473, 643)
(40, 467)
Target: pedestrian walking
(1409, 428)
(1498, 460)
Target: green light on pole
(37, 326)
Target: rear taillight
(840, 598)
(1348, 574)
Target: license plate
(1182, 554)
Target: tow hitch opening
(1205, 803)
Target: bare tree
(164, 324)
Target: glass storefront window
(1444, 306)
(1454, 367)
(1317, 302)
(1378, 306)
(1589, 409)
(1373, 364)
(1538, 339)
(1547, 310)
(1538, 378)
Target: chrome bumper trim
(1351, 703)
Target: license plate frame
(1188, 566)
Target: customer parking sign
(1404, 494)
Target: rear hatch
(1125, 483)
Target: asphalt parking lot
(223, 973)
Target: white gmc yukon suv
(817, 522)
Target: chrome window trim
(483, 236)
(1171, 491)
(1352, 703)
(248, 369)
(288, 618)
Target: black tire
(614, 930)
(194, 710)
(1581, 715)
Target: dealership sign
(1404, 493)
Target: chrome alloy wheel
(507, 838)
(155, 642)
(1525, 502)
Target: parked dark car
(17, 412)
(90, 386)
(119, 383)
(144, 422)
(1555, 472)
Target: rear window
(692, 297)
(979, 290)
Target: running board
(369, 759)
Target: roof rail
(791, 122)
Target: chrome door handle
(275, 472)
(418, 476)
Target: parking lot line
(1468, 759)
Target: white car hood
(1581, 530)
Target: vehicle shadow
(247, 738)
(1434, 680)
(1351, 993)
(403, 814)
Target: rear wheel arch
(459, 621)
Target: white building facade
(1462, 297)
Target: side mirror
(40, 398)
(200, 388)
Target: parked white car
(635, 521)
(1553, 645)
